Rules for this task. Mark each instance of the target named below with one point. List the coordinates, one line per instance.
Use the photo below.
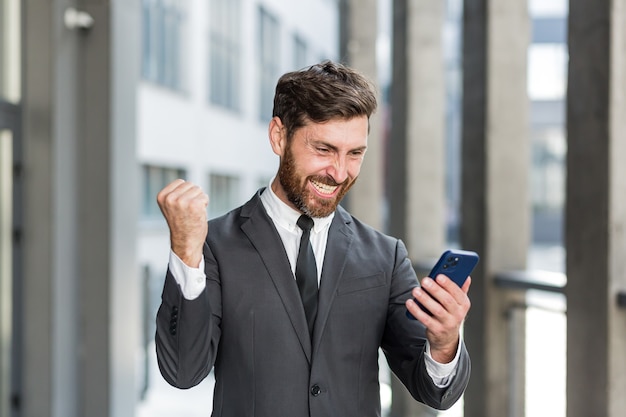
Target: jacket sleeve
(404, 343)
(188, 331)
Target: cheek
(354, 167)
(315, 165)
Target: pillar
(79, 306)
(595, 224)
(416, 160)
(359, 38)
(494, 195)
(416, 163)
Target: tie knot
(305, 223)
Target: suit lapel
(262, 233)
(340, 238)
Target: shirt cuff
(441, 373)
(192, 281)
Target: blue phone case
(455, 264)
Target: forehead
(350, 133)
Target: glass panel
(223, 194)
(268, 55)
(225, 53)
(6, 269)
(10, 50)
(299, 52)
(164, 26)
(154, 179)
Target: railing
(544, 294)
(541, 280)
(532, 280)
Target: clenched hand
(183, 205)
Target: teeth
(324, 188)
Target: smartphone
(456, 264)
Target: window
(154, 179)
(268, 55)
(223, 194)
(547, 71)
(163, 40)
(225, 53)
(299, 52)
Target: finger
(426, 299)
(447, 283)
(453, 298)
(439, 288)
(466, 285)
(449, 297)
(184, 195)
(451, 287)
(168, 189)
(418, 312)
(184, 189)
(173, 185)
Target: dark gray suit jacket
(249, 323)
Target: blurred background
(499, 130)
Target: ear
(277, 135)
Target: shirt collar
(285, 216)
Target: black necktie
(306, 272)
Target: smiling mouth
(324, 189)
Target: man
(236, 295)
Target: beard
(298, 193)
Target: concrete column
(35, 321)
(425, 170)
(494, 195)
(360, 33)
(80, 298)
(94, 211)
(10, 252)
(596, 208)
(125, 279)
(416, 162)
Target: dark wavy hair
(322, 92)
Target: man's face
(320, 164)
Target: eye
(322, 149)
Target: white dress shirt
(192, 281)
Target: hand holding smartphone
(456, 265)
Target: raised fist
(183, 205)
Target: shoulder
(249, 216)
(363, 231)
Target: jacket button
(316, 390)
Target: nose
(339, 169)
